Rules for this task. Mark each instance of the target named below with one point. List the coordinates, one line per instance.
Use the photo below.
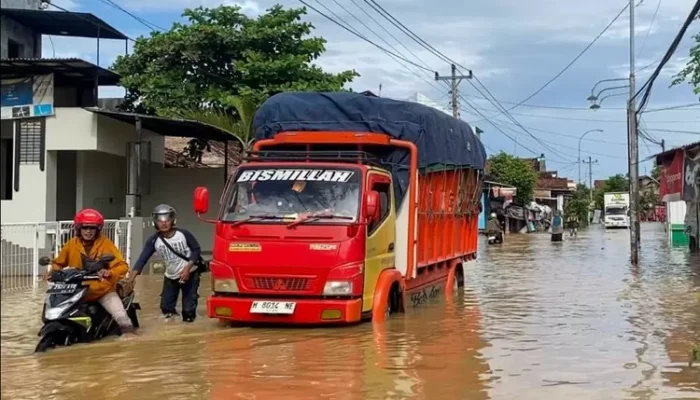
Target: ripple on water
(536, 321)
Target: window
(14, 49)
(384, 190)
(6, 168)
(31, 146)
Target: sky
(512, 48)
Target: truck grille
(281, 284)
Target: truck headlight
(337, 288)
(225, 285)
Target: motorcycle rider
(88, 242)
(181, 253)
(493, 227)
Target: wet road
(537, 320)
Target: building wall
(99, 167)
(101, 183)
(11, 30)
(175, 186)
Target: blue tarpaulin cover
(441, 139)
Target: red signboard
(671, 177)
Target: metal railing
(22, 244)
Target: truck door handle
(391, 247)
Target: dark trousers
(190, 296)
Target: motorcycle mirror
(44, 261)
(107, 258)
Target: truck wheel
(393, 304)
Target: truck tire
(387, 295)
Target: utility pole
(455, 80)
(633, 151)
(590, 163)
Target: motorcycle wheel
(131, 312)
(45, 343)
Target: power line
(101, 26)
(651, 24)
(646, 88)
(144, 22)
(680, 107)
(585, 49)
(393, 20)
(674, 131)
(364, 38)
(380, 38)
(379, 9)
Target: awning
(61, 23)
(173, 127)
(72, 68)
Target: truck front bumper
(306, 311)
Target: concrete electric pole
(633, 151)
(455, 80)
(590, 163)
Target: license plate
(62, 288)
(273, 307)
(492, 238)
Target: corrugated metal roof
(61, 23)
(69, 67)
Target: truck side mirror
(201, 200)
(372, 205)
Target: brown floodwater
(538, 320)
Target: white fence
(22, 244)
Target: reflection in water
(538, 320)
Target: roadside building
(679, 189)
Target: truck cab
(617, 210)
(314, 235)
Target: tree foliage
(656, 172)
(241, 128)
(510, 170)
(616, 183)
(220, 53)
(648, 200)
(691, 72)
(579, 205)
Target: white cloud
(247, 6)
(512, 46)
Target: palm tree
(240, 128)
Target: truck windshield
(291, 193)
(616, 211)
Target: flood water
(538, 320)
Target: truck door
(381, 236)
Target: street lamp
(579, 151)
(593, 98)
(596, 106)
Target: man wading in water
(182, 255)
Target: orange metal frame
(447, 215)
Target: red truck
(349, 208)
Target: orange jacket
(70, 256)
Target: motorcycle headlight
(52, 313)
